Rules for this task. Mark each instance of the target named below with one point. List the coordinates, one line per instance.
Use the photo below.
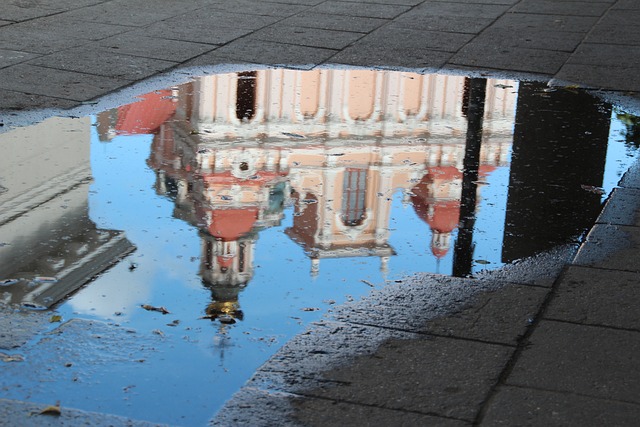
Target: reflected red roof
(146, 115)
(231, 224)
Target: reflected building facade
(336, 145)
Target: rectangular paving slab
(526, 406)
(441, 376)
(614, 247)
(597, 297)
(588, 360)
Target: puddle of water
(245, 205)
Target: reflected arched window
(246, 95)
(353, 196)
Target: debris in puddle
(310, 309)
(501, 86)
(11, 357)
(50, 410)
(293, 135)
(174, 323)
(158, 332)
(226, 319)
(368, 283)
(8, 282)
(152, 308)
(593, 189)
(133, 266)
(56, 318)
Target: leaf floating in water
(152, 308)
(482, 261)
(310, 309)
(56, 318)
(51, 410)
(158, 332)
(11, 357)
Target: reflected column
(559, 150)
(463, 250)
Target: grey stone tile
(491, 11)
(518, 21)
(627, 5)
(420, 20)
(597, 297)
(530, 38)
(541, 270)
(601, 77)
(17, 13)
(57, 83)
(10, 57)
(366, 3)
(621, 208)
(400, 47)
(19, 327)
(321, 412)
(151, 47)
(334, 22)
(500, 316)
(12, 100)
(370, 55)
(252, 7)
(510, 58)
(269, 53)
(603, 54)
(588, 360)
(522, 406)
(409, 304)
(617, 26)
(15, 37)
(440, 376)
(314, 37)
(102, 62)
(3, 23)
(197, 32)
(611, 246)
(138, 14)
(631, 178)
(63, 26)
(355, 9)
(213, 58)
(573, 8)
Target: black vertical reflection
(246, 95)
(559, 148)
(463, 250)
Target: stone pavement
(553, 341)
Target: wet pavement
(532, 342)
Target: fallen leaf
(56, 318)
(51, 410)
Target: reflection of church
(336, 144)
